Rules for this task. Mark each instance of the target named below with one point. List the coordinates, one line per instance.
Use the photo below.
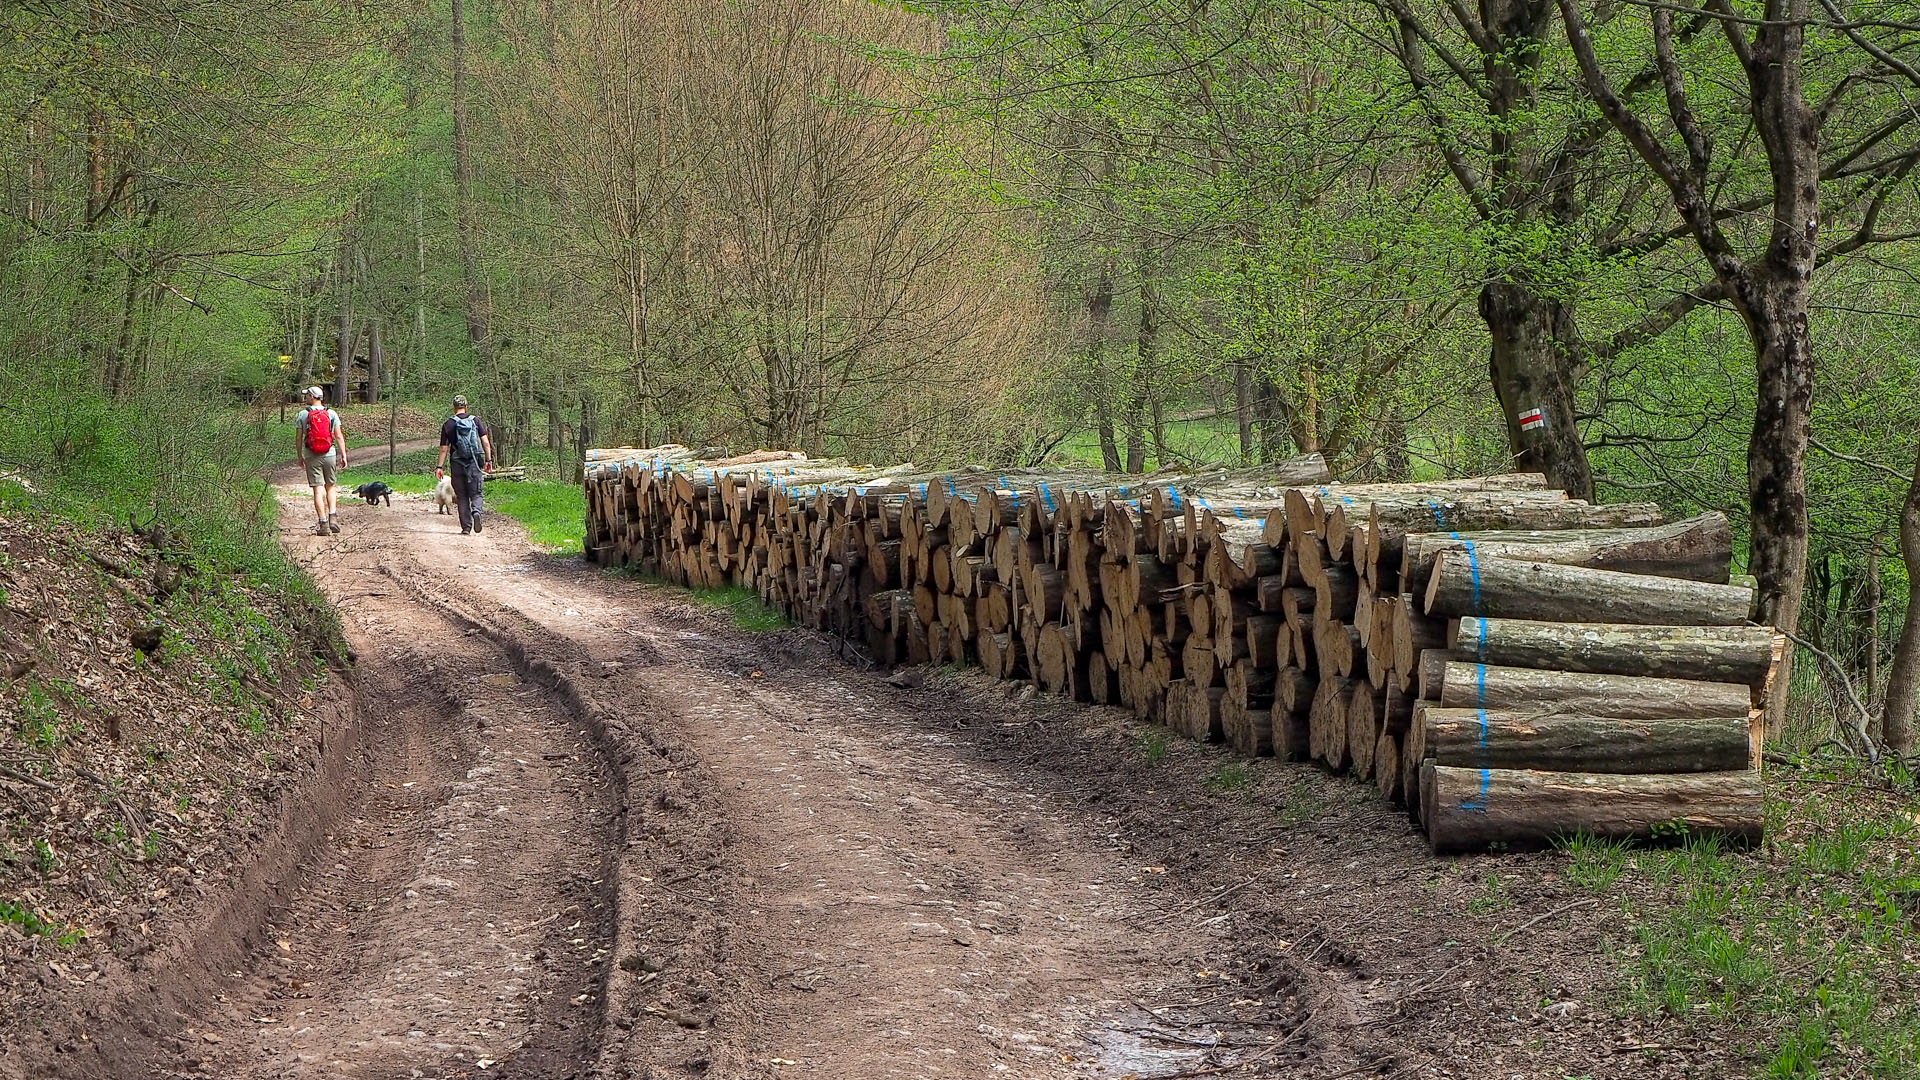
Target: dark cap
(459, 401)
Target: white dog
(443, 492)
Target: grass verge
(747, 610)
(1805, 954)
(412, 472)
(554, 513)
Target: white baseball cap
(314, 392)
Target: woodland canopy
(1660, 251)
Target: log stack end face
(1510, 664)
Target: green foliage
(1595, 864)
(1154, 742)
(1231, 778)
(1805, 954)
(749, 612)
(1493, 898)
(554, 513)
(38, 719)
(27, 921)
(44, 859)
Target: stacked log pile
(1508, 663)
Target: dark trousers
(469, 491)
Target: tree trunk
(1465, 584)
(1725, 654)
(556, 445)
(1570, 742)
(589, 430)
(343, 371)
(1269, 425)
(311, 356)
(393, 420)
(307, 326)
(34, 134)
(1099, 317)
(1390, 519)
(1396, 457)
(478, 332)
(1243, 410)
(1633, 697)
(1903, 675)
(1139, 388)
(1698, 549)
(376, 362)
(344, 337)
(1870, 662)
(1248, 730)
(419, 354)
(1776, 460)
(1531, 368)
(1470, 809)
(119, 368)
(1770, 289)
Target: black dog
(375, 493)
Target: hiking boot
(320, 529)
(476, 523)
(464, 531)
(333, 527)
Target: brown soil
(587, 828)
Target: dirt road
(591, 830)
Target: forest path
(596, 832)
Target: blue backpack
(466, 439)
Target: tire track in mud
(764, 865)
(459, 913)
(897, 912)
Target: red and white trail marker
(1533, 418)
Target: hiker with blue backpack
(465, 441)
(323, 451)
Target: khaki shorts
(322, 469)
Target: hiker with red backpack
(323, 450)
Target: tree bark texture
(1571, 742)
(1523, 184)
(1531, 367)
(1463, 583)
(1249, 731)
(1771, 289)
(1508, 689)
(1471, 809)
(465, 214)
(1099, 320)
(1698, 549)
(1721, 654)
(376, 361)
(1903, 675)
(1390, 521)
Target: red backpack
(319, 430)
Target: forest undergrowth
(166, 666)
(1802, 953)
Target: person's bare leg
(319, 504)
